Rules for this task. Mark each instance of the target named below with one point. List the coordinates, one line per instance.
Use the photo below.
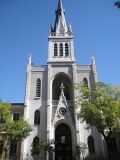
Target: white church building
(50, 99)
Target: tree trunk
(108, 148)
(5, 150)
(107, 142)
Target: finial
(62, 87)
(30, 59)
(70, 29)
(93, 55)
(93, 59)
(60, 4)
(94, 68)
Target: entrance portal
(63, 145)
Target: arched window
(13, 148)
(55, 49)
(61, 49)
(91, 144)
(35, 142)
(37, 117)
(38, 88)
(85, 82)
(66, 50)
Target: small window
(85, 82)
(37, 117)
(16, 116)
(38, 88)
(1, 147)
(35, 142)
(55, 49)
(66, 50)
(91, 145)
(13, 147)
(61, 49)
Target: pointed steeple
(60, 38)
(60, 5)
(60, 17)
(60, 27)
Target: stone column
(49, 105)
(77, 124)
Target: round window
(62, 111)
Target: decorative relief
(60, 109)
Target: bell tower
(60, 39)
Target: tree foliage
(117, 4)
(100, 107)
(11, 130)
(43, 147)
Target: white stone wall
(86, 72)
(46, 129)
(32, 105)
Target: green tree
(117, 4)
(11, 130)
(100, 107)
(43, 147)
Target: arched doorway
(63, 143)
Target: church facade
(50, 99)
(50, 95)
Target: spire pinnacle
(30, 59)
(60, 6)
(94, 68)
(60, 27)
(60, 22)
(93, 59)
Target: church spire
(60, 5)
(61, 41)
(60, 27)
(60, 22)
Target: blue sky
(24, 26)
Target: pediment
(62, 111)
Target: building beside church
(50, 99)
